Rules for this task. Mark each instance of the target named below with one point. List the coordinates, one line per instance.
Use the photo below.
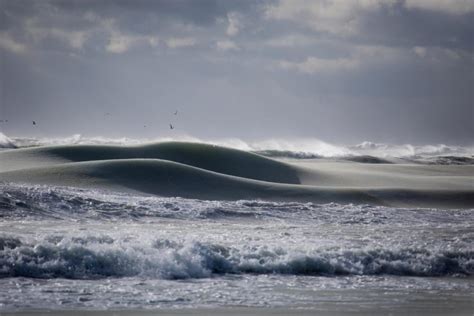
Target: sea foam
(102, 256)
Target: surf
(103, 256)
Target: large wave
(214, 158)
(103, 256)
(204, 171)
(305, 148)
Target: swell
(200, 171)
(96, 257)
(171, 179)
(218, 159)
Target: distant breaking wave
(368, 152)
(6, 142)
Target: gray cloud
(344, 71)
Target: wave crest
(101, 257)
(306, 148)
(6, 142)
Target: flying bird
(34, 123)
(171, 126)
(176, 112)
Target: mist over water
(309, 148)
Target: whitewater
(295, 228)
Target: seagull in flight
(171, 126)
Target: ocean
(116, 225)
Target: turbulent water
(64, 247)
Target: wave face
(169, 179)
(291, 148)
(209, 157)
(203, 171)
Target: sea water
(67, 248)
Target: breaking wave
(285, 148)
(95, 257)
(6, 142)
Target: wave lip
(96, 258)
(6, 142)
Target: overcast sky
(399, 71)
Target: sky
(395, 71)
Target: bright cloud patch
(336, 17)
(315, 65)
(234, 24)
(178, 42)
(226, 45)
(453, 7)
(420, 51)
(119, 44)
(7, 43)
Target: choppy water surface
(64, 248)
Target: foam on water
(103, 255)
(67, 203)
(92, 257)
(63, 248)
